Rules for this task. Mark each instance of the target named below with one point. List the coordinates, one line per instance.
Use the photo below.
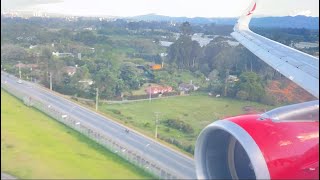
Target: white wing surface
(301, 68)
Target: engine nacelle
(282, 143)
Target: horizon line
(133, 16)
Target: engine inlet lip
(247, 142)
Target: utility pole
(157, 119)
(50, 81)
(19, 70)
(31, 73)
(97, 97)
(150, 92)
(38, 54)
(226, 83)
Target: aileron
(299, 67)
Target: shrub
(242, 95)
(268, 100)
(74, 98)
(189, 149)
(180, 125)
(115, 111)
(146, 124)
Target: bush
(189, 149)
(115, 111)
(176, 142)
(146, 124)
(180, 125)
(268, 100)
(89, 103)
(242, 95)
(74, 98)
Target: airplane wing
(282, 143)
(301, 68)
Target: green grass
(36, 146)
(185, 77)
(195, 110)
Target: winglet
(244, 20)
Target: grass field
(34, 146)
(196, 110)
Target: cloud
(20, 4)
(190, 8)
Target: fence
(128, 153)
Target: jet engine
(280, 144)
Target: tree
(87, 37)
(215, 83)
(65, 34)
(186, 29)
(129, 73)
(12, 53)
(250, 83)
(106, 82)
(185, 53)
(242, 95)
(204, 68)
(163, 77)
(214, 76)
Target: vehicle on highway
(126, 130)
(19, 81)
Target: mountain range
(280, 22)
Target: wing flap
(301, 68)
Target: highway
(180, 164)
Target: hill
(280, 22)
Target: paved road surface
(7, 176)
(182, 165)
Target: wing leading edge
(301, 68)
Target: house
(155, 66)
(62, 54)
(31, 46)
(86, 81)
(232, 78)
(188, 87)
(70, 70)
(158, 89)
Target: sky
(176, 8)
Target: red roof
(158, 89)
(26, 65)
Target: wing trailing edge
(301, 68)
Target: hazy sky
(188, 8)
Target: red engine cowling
(276, 145)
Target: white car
(19, 81)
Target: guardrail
(128, 153)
